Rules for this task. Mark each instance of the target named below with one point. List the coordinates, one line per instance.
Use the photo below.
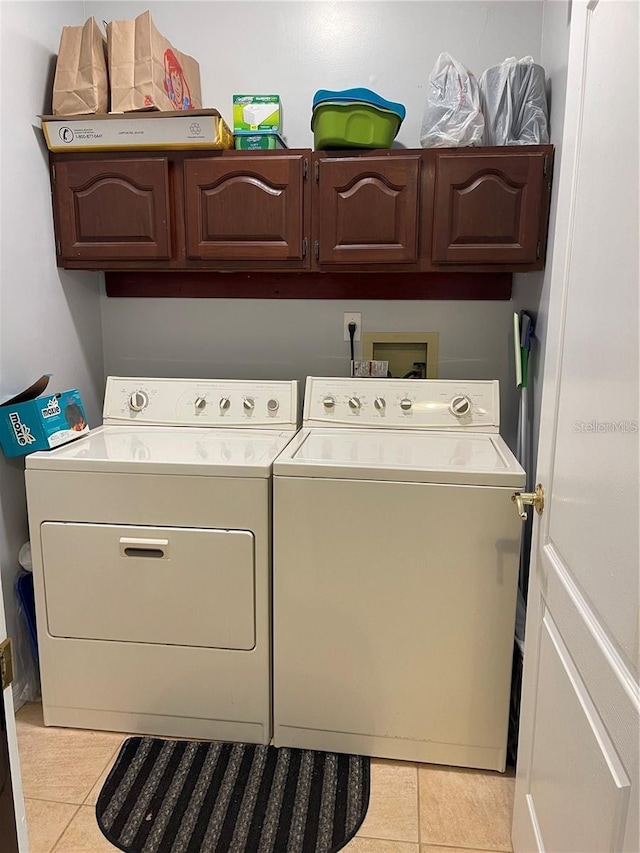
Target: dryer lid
(422, 457)
(168, 450)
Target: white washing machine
(396, 549)
(151, 542)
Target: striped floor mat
(166, 796)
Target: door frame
(9, 737)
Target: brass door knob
(535, 499)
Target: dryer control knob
(224, 404)
(329, 402)
(138, 401)
(273, 405)
(248, 404)
(380, 403)
(460, 406)
(200, 404)
(405, 404)
(354, 403)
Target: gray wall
(291, 339)
(49, 320)
(294, 48)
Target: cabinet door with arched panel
(112, 209)
(368, 209)
(246, 208)
(491, 206)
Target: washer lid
(168, 450)
(420, 457)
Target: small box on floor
(30, 422)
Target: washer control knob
(380, 404)
(273, 405)
(138, 401)
(329, 402)
(355, 404)
(248, 403)
(405, 404)
(224, 404)
(200, 404)
(460, 406)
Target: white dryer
(396, 549)
(151, 542)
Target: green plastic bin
(353, 125)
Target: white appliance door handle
(148, 548)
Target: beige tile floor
(414, 808)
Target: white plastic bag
(452, 116)
(514, 102)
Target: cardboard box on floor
(30, 422)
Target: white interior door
(577, 779)
(13, 825)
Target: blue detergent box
(30, 422)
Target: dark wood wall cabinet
(367, 210)
(111, 210)
(461, 210)
(491, 207)
(245, 209)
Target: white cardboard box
(190, 129)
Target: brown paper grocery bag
(80, 84)
(147, 72)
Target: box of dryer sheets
(30, 422)
(137, 131)
(256, 113)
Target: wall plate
(357, 319)
(403, 350)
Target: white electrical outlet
(357, 319)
